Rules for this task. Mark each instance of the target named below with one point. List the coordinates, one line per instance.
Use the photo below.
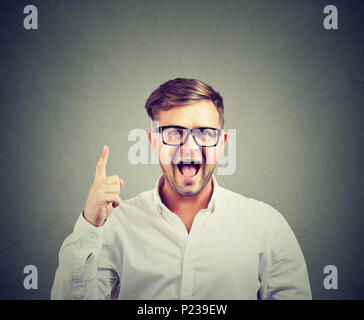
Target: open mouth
(189, 169)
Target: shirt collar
(161, 206)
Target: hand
(104, 193)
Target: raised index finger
(101, 164)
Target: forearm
(82, 273)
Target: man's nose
(190, 151)
(190, 145)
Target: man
(188, 238)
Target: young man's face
(188, 179)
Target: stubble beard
(206, 173)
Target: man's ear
(154, 141)
(225, 137)
(221, 144)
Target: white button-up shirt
(237, 248)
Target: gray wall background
(292, 89)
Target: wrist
(90, 221)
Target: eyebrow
(175, 126)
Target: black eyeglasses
(177, 136)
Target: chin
(188, 191)
(186, 185)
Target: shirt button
(94, 235)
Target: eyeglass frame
(189, 132)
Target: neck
(186, 207)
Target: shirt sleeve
(85, 270)
(284, 273)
